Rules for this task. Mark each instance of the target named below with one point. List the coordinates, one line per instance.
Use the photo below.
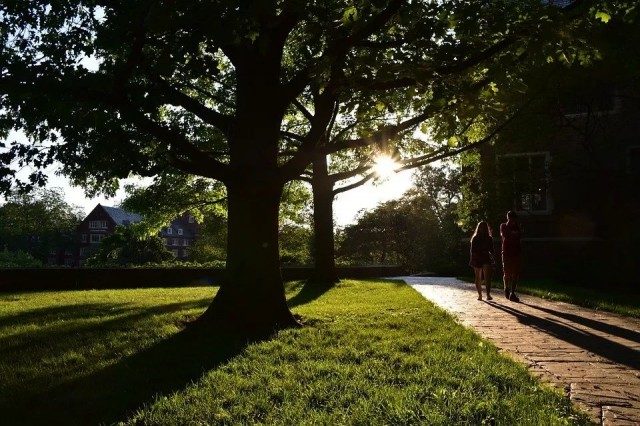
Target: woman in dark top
(511, 260)
(482, 257)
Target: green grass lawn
(620, 301)
(371, 353)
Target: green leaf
(350, 15)
(603, 16)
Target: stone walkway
(594, 356)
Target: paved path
(594, 356)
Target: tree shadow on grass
(115, 392)
(591, 342)
(70, 312)
(60, 327)
(309, 291)
(622, 332)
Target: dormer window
(169, 231)
(179, 231)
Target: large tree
(218, 89)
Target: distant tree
(211, 244)
(38, 222)
(18, 259)
(244, 92)
(125, 247)
(417, 231)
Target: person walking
(482, 258)
(510, 232)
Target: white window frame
(169, 231)
(84, 238)
(98, 237)
(191, 219)
(179, 231)
(547, 162)
(174, 252)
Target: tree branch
(382, 135)
(302, 109)
(446, 153)
(197, 162)
(340, 47)
(362, 181)
(208, 115)
(336, 177)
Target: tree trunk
(324, 272)
(251, 298)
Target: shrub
(18, 259)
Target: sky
(346, 205)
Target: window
(633, 160)
(84, 238)
(95, 238)
(169, 231)
(592, 102)
(175, 253)
(98, 224)
(176, 242)
(524, 179)
(179, 231)
(68, 262)
(191, 219)
(185, 242)
(83, 251)
(166, 241)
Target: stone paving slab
(593, 356)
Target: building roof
(122, 217)
(560, 3)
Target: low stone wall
(19, 279)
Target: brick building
(99, 223)
(103, 220)
(574, 183)
(180, 235)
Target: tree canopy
(113, 88)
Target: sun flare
(385, 166)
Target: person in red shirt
(482, 257)
(511, 255)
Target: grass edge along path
(621, 301)
(373, 352)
